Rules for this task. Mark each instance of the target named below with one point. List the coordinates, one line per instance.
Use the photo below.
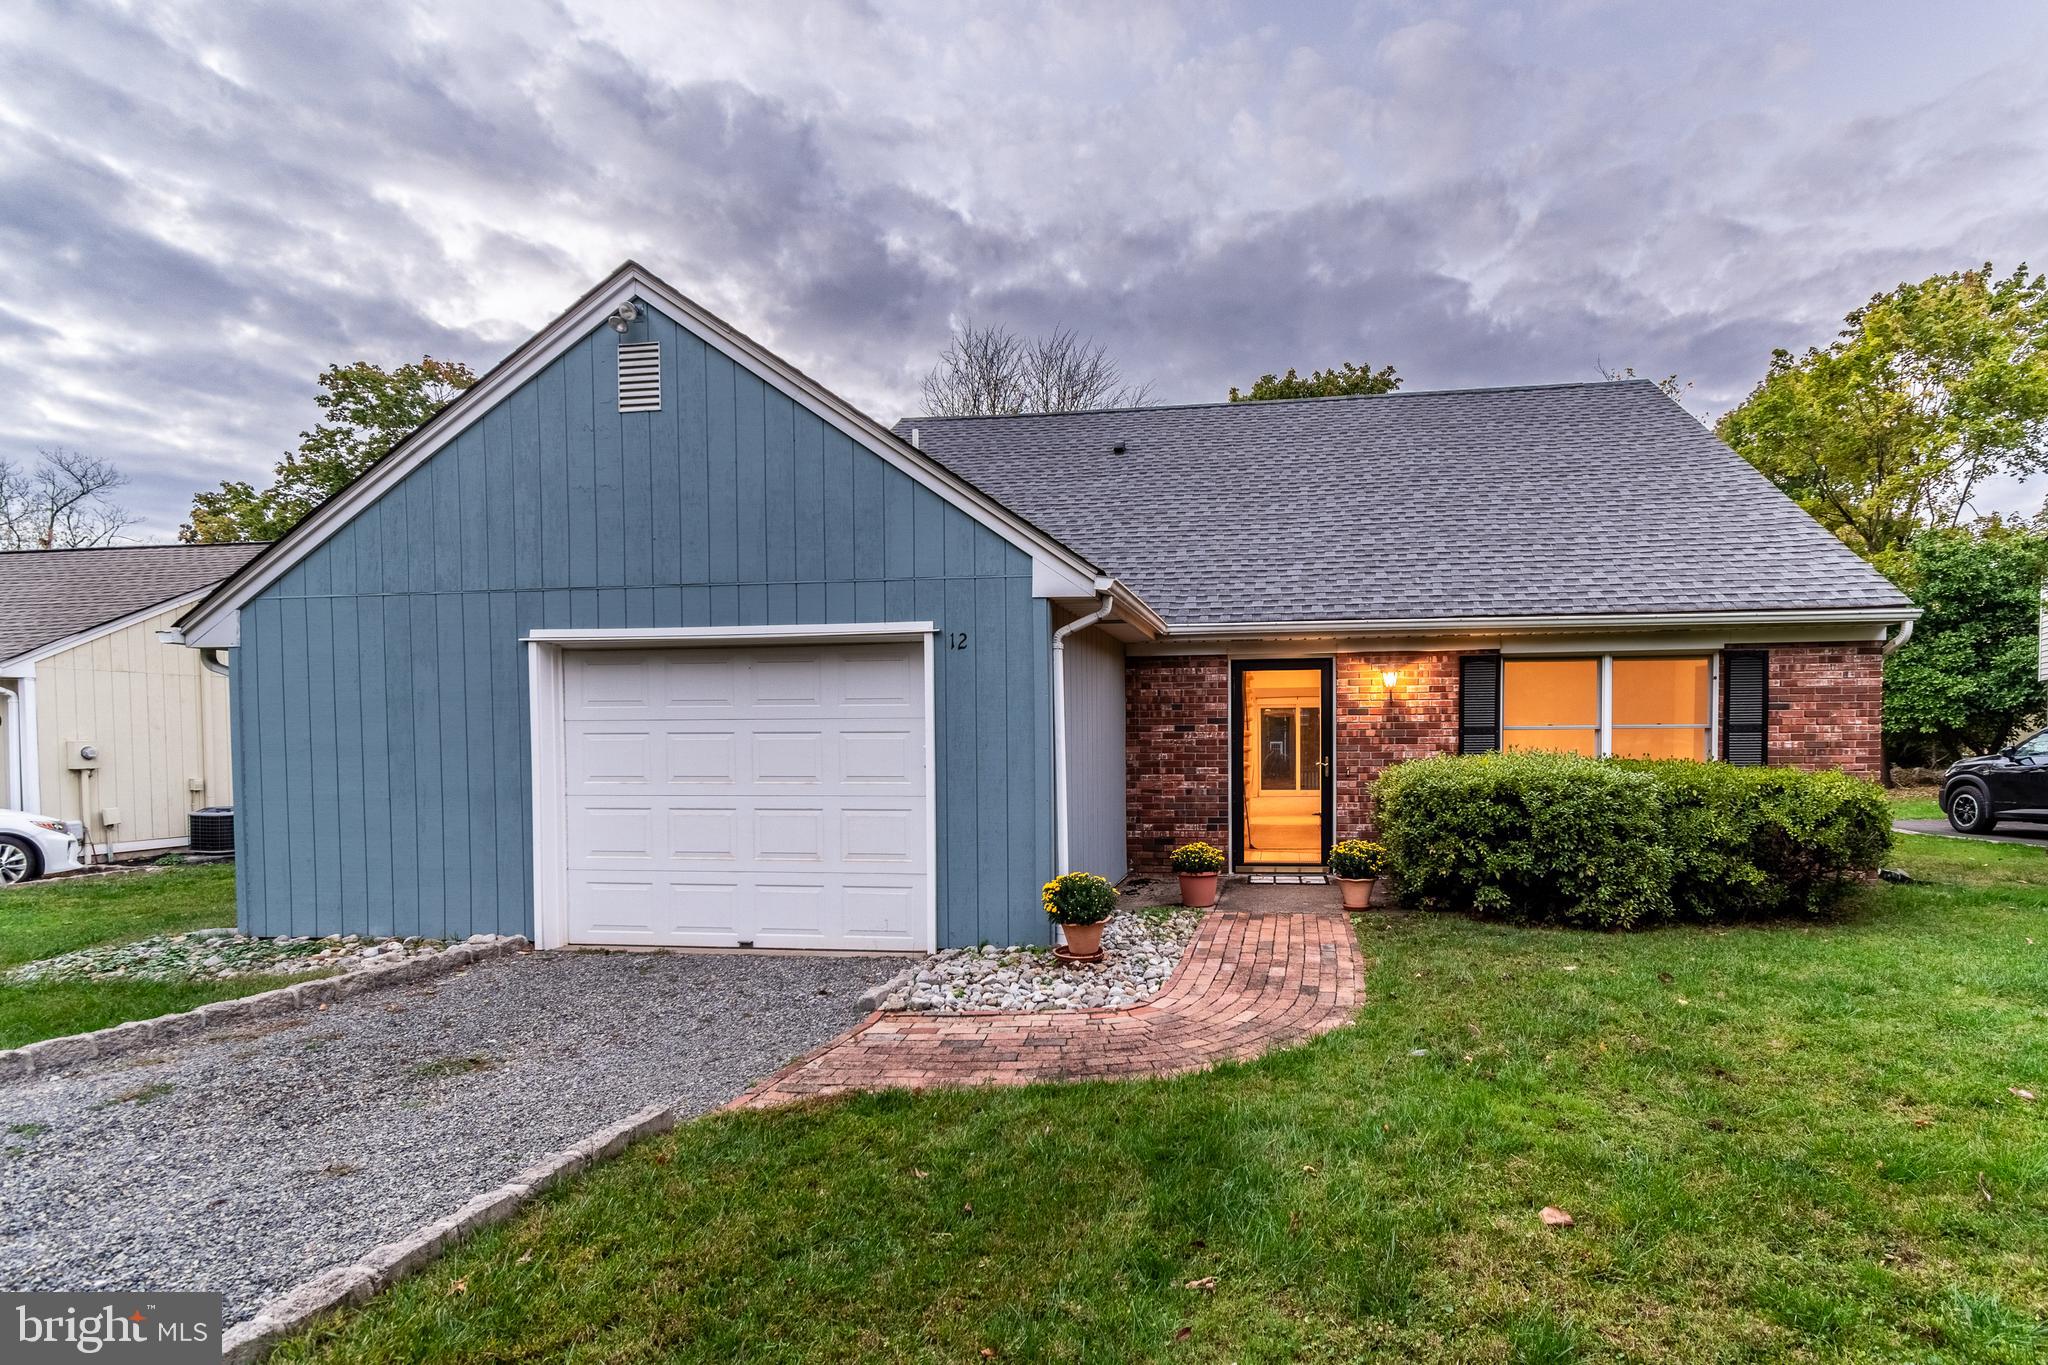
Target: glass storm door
(1280, 746)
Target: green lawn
(1794, 1141)
(43, 919)
(1914, 804)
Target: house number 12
(957, 640)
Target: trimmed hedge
(1553, 838)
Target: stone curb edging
(53, 1054)
(378, 1270)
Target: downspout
(1104, 605)
(1891, 646)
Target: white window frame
(1603, 726)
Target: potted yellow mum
(1198, 865)
(1356, 864)
(1079, 902)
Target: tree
(63, 503)
(992, 372)
(1330, 383)
(1967, 679)
(368, 410)
(1889, 430)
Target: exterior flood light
(623, 317)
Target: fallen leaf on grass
(1310, 1167)
(460, 1286)
(1207, 1284)
(525, 1257)
(1555, 1217)
(967, 1208)
(2026, 1095)
(988, 1353)
(1184, 1333)
(1923, 1123)
(1664, 977)
(1983, 1188)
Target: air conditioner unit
(213, 830)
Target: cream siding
(159, 718)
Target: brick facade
(1826, 711)
(1376, 730)
(1177, 754)
(1827, 707)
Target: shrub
(1610, 843)
(1357, 859)
(1078, 898)
(1198, 858)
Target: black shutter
(1478, 703)
(1745, 707)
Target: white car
(36, 846)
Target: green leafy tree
(1334, 382)
(1929, 391)
(1966, 680)
(367, 410)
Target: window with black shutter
(1478, 703)
(1745, 706)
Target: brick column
(1177, 754)
(1375, 730)
(1827, 707)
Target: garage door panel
(872, 757)
(606, 757)
(700, 756)
(782, 836)
(880, 834)
(775, 796)
(703, 833)
(795, 682)
(788, 756)
(610, 833)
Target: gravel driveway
(246, 1163)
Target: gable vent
(640, 377)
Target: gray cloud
(201, 206)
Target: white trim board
(548, 795)
(1056, 569)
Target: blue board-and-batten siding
(379, 689)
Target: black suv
(2011, 784)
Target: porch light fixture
(1390, 677)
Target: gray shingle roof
(46, 595)
(1562, 499)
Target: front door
(1280, 755)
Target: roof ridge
(1269, 402)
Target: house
(81, 667)
(648, 638)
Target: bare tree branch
(63, 503)
(989, 371)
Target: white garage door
(770, 796)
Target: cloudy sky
(201, 205)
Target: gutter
(1105, 604)
(1410, 625)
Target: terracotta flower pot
(1198, 890)
(1357, 891)
(1083, 940)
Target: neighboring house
(650, 639)
(81, 665)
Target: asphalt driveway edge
(54, 1054)
(384, 1266)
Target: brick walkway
(1256, 977)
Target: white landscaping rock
(1139, 952)
(215, 954)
